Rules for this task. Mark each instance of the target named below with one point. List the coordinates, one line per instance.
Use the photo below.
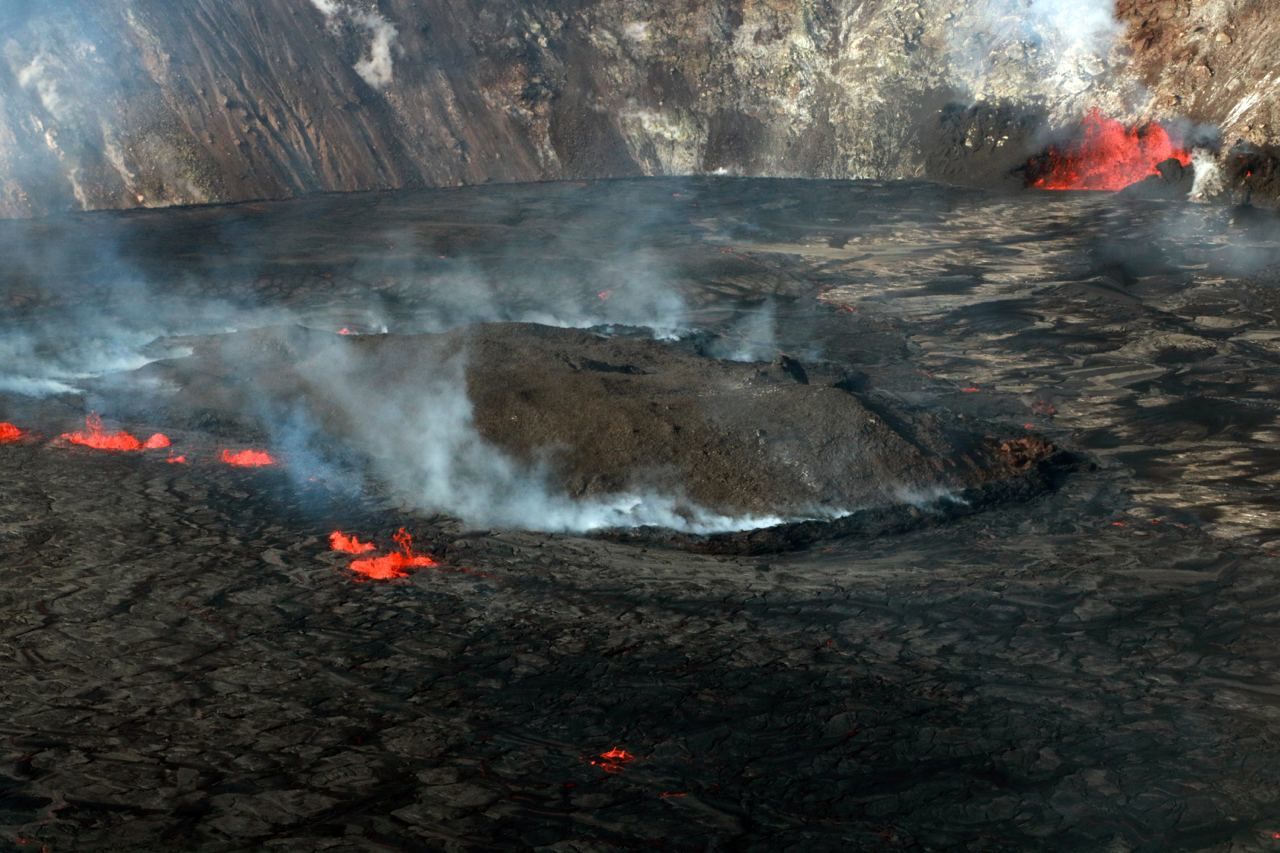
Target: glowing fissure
(1108, 156)
(120, 441)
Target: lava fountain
(9, 433)
(393, 565)
(342, 543)
(1107, 156)
(120, 441)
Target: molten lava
(613, 760)
(99, 439)
(339, 541)
(1108, 156)
(247, 458)
(9, 432)
(394, 565)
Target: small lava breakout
(120, 441)
(247, 458)
(614, 760)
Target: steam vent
(601, 425)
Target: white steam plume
(1208, 181)
(38, 75)
(378, 66)
(426, 448)
(753, 337)
(1048, 49)
(634, 286)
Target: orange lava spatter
(120, 441)
(9, 432)
(1108, 156)
(341, 542)
(247, 458)
(393, 565)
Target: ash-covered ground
(1089, 664)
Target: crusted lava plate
(794, 451)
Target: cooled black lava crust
(187, 666)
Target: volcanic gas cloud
(1108, 156)
(99, 439)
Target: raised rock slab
(605, 415)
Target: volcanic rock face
(1211, 62)
(148, 103)
(598, 417)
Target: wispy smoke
(1208, 181)
(40, 365)
(38, 75)
(632, 292)
(1052, 50)
(419, 442)
(92, 312)
(377, 67)
(752, 337)
(425, 445)
(630, 285)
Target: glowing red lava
(339, 541)
(1108, 156)
(393, 565)
(9, 432)
(99, 439)
(247, 458)
(613, 760)
(176, 460)
(344, 331)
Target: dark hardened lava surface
(187, 666)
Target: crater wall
(142, 103)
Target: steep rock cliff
(124, 103)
